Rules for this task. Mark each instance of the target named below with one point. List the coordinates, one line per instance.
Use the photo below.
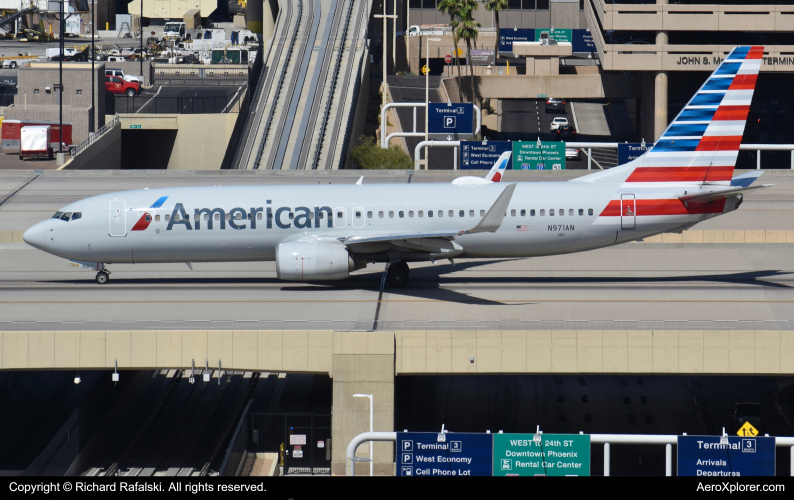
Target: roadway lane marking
(408, 301)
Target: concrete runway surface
(629, 287)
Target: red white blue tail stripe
(702, 143)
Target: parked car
(555, 105)
(116, 85)
(572, 154)
(558, 122)
(565, 131)
(120, 73)
(748, 412)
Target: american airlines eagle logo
(146, 218)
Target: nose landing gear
(397, 276)
(102, 276)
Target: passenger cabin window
(157, 218)
(570, 211)
(562, 212)
(258, 215)
(462, 213)
(217, 216)
(513, 212)
(229, 216)
(429, 213)
(589, 211)
(391, 214)
(168, 217)
(177, 218)
(542, 212)
(238, 216)
(451, 213)
(482, 213)
(369, 215)
(401, 214)
(441, 213)
(581, 211)
(523, 213)
(358, 214)
(196, 217)
(532, 213)
(339, 215)
(148, 217)
(471, 213)
(421, 213)
(380, 214)
(551, 212)
(410, 213)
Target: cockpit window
(76, 215)
(57, 215)
(66, 216)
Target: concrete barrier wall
(594, 351)
(359, 358)
(249, 350)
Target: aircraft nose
(36, 236)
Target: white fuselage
(111, 228)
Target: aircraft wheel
(398, 275)
(102, 277)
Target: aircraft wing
(430, 240)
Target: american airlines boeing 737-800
(325, 232)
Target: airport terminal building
(651, 55)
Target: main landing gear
(397, 276)
(102, 276)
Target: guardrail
(606, 439)
(95, 136)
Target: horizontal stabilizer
(745, 180)
(703, 197)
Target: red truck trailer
(9, 139)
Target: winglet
(498, 169)
(360, 181)
(495, 215)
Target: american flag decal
(521, 228)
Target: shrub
(369, 155)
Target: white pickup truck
(127, 78)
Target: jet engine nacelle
(314, 260)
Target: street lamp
(371, 409)
(427, 92)
(385, 44)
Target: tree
(369, 155)
(495, 6)
(468, 29)
(453, 8)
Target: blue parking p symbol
(449, 122)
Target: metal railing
(606, 439)
(171, 104)
(237, 452)
(200, 74)
(95, 136)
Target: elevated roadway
(301, 112)
(733, 272)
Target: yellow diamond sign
(747, 430)
(424, 70)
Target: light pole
(371, 410)
(385, 43)
(93, 71)
(427, 92)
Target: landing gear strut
(102, 277)
(398, 275)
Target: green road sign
(561, 35)
(542, 96)
(553, 455)
(527, 155)
(135, 126)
